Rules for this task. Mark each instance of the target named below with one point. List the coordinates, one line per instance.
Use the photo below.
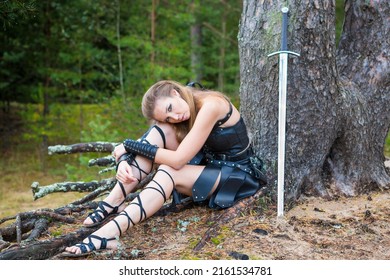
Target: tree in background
(90, 51)
(338, 102)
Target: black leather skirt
(237, 181)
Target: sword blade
(283, 61)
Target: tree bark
(337, 109)
(363, 64)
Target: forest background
(75, 71)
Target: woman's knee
(170, 135)
(168, 171)
(166, 168)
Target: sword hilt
(283, 46)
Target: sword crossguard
(280, 52)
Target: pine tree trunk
(338, 106)
(196, 44)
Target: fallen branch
(40, 226)
(104, 161)
(82, 148)
(41, 191)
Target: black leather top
(227, 140)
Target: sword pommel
(283, 46)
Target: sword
(283, 61)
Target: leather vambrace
(143, 149)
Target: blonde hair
(164, 89)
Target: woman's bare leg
(140, 167)
(148, 202)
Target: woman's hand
(124, 173)
(118, 152)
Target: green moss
(57, 232)
(387, 146)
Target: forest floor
(355, 228)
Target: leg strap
(137, 201)
(100, 213)
(129, 220)
(161, 189)
(141, 208)
(143, 138)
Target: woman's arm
(210, 112)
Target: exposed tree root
(224, 216)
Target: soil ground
(344, 229)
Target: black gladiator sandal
(100, 214)
(88, 248)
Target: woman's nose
(175, 116)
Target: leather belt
(244, 168)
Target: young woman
(201, 147)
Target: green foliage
(98, 129)
(12, 12)
(68, 51)
(74, 123)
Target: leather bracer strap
(143, 149)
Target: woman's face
(171, 109)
